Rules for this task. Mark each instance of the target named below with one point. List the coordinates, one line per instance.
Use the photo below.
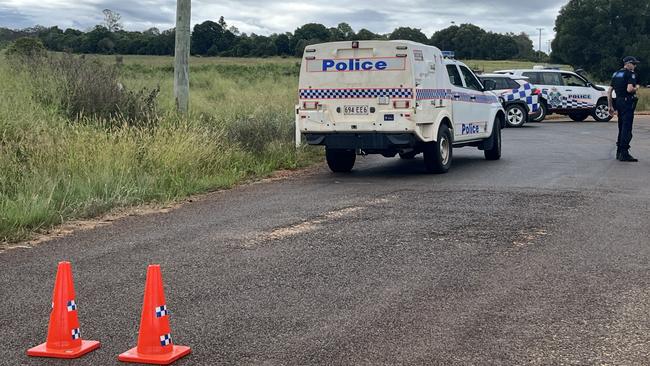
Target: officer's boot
(625, 156)
(618, 154)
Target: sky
(273, 16)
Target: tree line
(596, 34)
(212, 38)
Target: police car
(566, 93)
(521, 98)
(393, 97)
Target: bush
(255, 133)
(27, 47)
(87, 89)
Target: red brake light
(537, 91)
(310, 105)
(401, 104)
(355, 44)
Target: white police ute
(566, 93)
(393, 97)
(521, 98)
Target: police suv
(567, 93)
(393, 97)
(521, 98)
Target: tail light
(537, 91)
(310, 105)
(401, 104)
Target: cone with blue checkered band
(154, 340)
(63, 334)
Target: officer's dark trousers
(625, 109)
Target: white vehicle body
(388, 97)
(566, 92)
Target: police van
(393, 97)
(566, 93)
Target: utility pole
(182, 56)
(540, 38)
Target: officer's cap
(631, 60)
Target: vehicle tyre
(543, 112)
(515, 115)
(408, 156)
(601, 111)
(340, 160)
(438, 154)
(579, 116)
(495, 152)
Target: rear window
(544, 78)
(454, 75)
(503, 83)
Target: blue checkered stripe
(423, 94)
(165, 339)
(76, 333)
(355, 93)
(566, 103)
(72, 306)
(525, 93)
(161, 311)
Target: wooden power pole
(182, 56)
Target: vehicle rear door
(579, 95)
(551, 86)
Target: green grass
(55, 169)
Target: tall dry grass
(56, 165)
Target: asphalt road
(540, 258)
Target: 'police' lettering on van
(356, 64)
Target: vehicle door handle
(568, 89)
(473, 97)
(456, 96)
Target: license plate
(355, 110)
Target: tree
(283, 44)
(203, 37)
(27, 47)
(409, 34)
(366, 35)
(112, 20)
(310, 33)
(616, 28)
(342, 32)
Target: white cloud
(272, 16)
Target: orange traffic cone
(154, 340)
(63, 336)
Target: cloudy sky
(275, 16)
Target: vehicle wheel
(408, 156)
(543, 111)
(340, 160)
(579, 116)
(438, 154)
(601, 111)
(495, 152)
(515, 115)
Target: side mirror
(489, 84)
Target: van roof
(370, 42)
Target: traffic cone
(63, 336)
(154, 340)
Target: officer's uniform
(625, 105)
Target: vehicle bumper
(364, 141)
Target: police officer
(625, 83)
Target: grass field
(56, 167)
